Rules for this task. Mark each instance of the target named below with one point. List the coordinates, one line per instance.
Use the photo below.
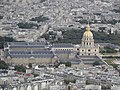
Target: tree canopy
(75, 36)
(109, 50)
(20, 68)
(41, 1)
(96, 63)
(1, 17)
(5, 39)
(26, 25)
(3, 65)
(67, 81)
(30, 65)
(40, 19)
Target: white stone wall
(28, 60)
(89, 51)
(93, 87)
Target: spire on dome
(88, 25)
(88, 20)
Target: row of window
(87, 43)
(65, 49)
(88, 50)
(88, 54)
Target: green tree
(96, 63)
(75, 35)
(68, 64)
(114, 66)
(41, 1)
(35, 75)
(5, 39)
(83, 21)
(1, 17)
(67, 81)
(40, 19)
(30, 65)
(116, 10)
(3, 65)
(109, 50)
(27, 25)
(105, 87)
(20, 68)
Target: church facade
(88, 47)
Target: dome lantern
(88, 33)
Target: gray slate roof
(61, 45)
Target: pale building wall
(20, 49)
(89, 51)
(65, 49)
(30, 60)
(63, 56)
(88, 47)
(93, 87)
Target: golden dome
(88, 33)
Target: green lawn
(109, 62)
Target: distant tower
(88, 47)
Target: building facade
(44, 53)
(88, 47)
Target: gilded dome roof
(88, 33)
